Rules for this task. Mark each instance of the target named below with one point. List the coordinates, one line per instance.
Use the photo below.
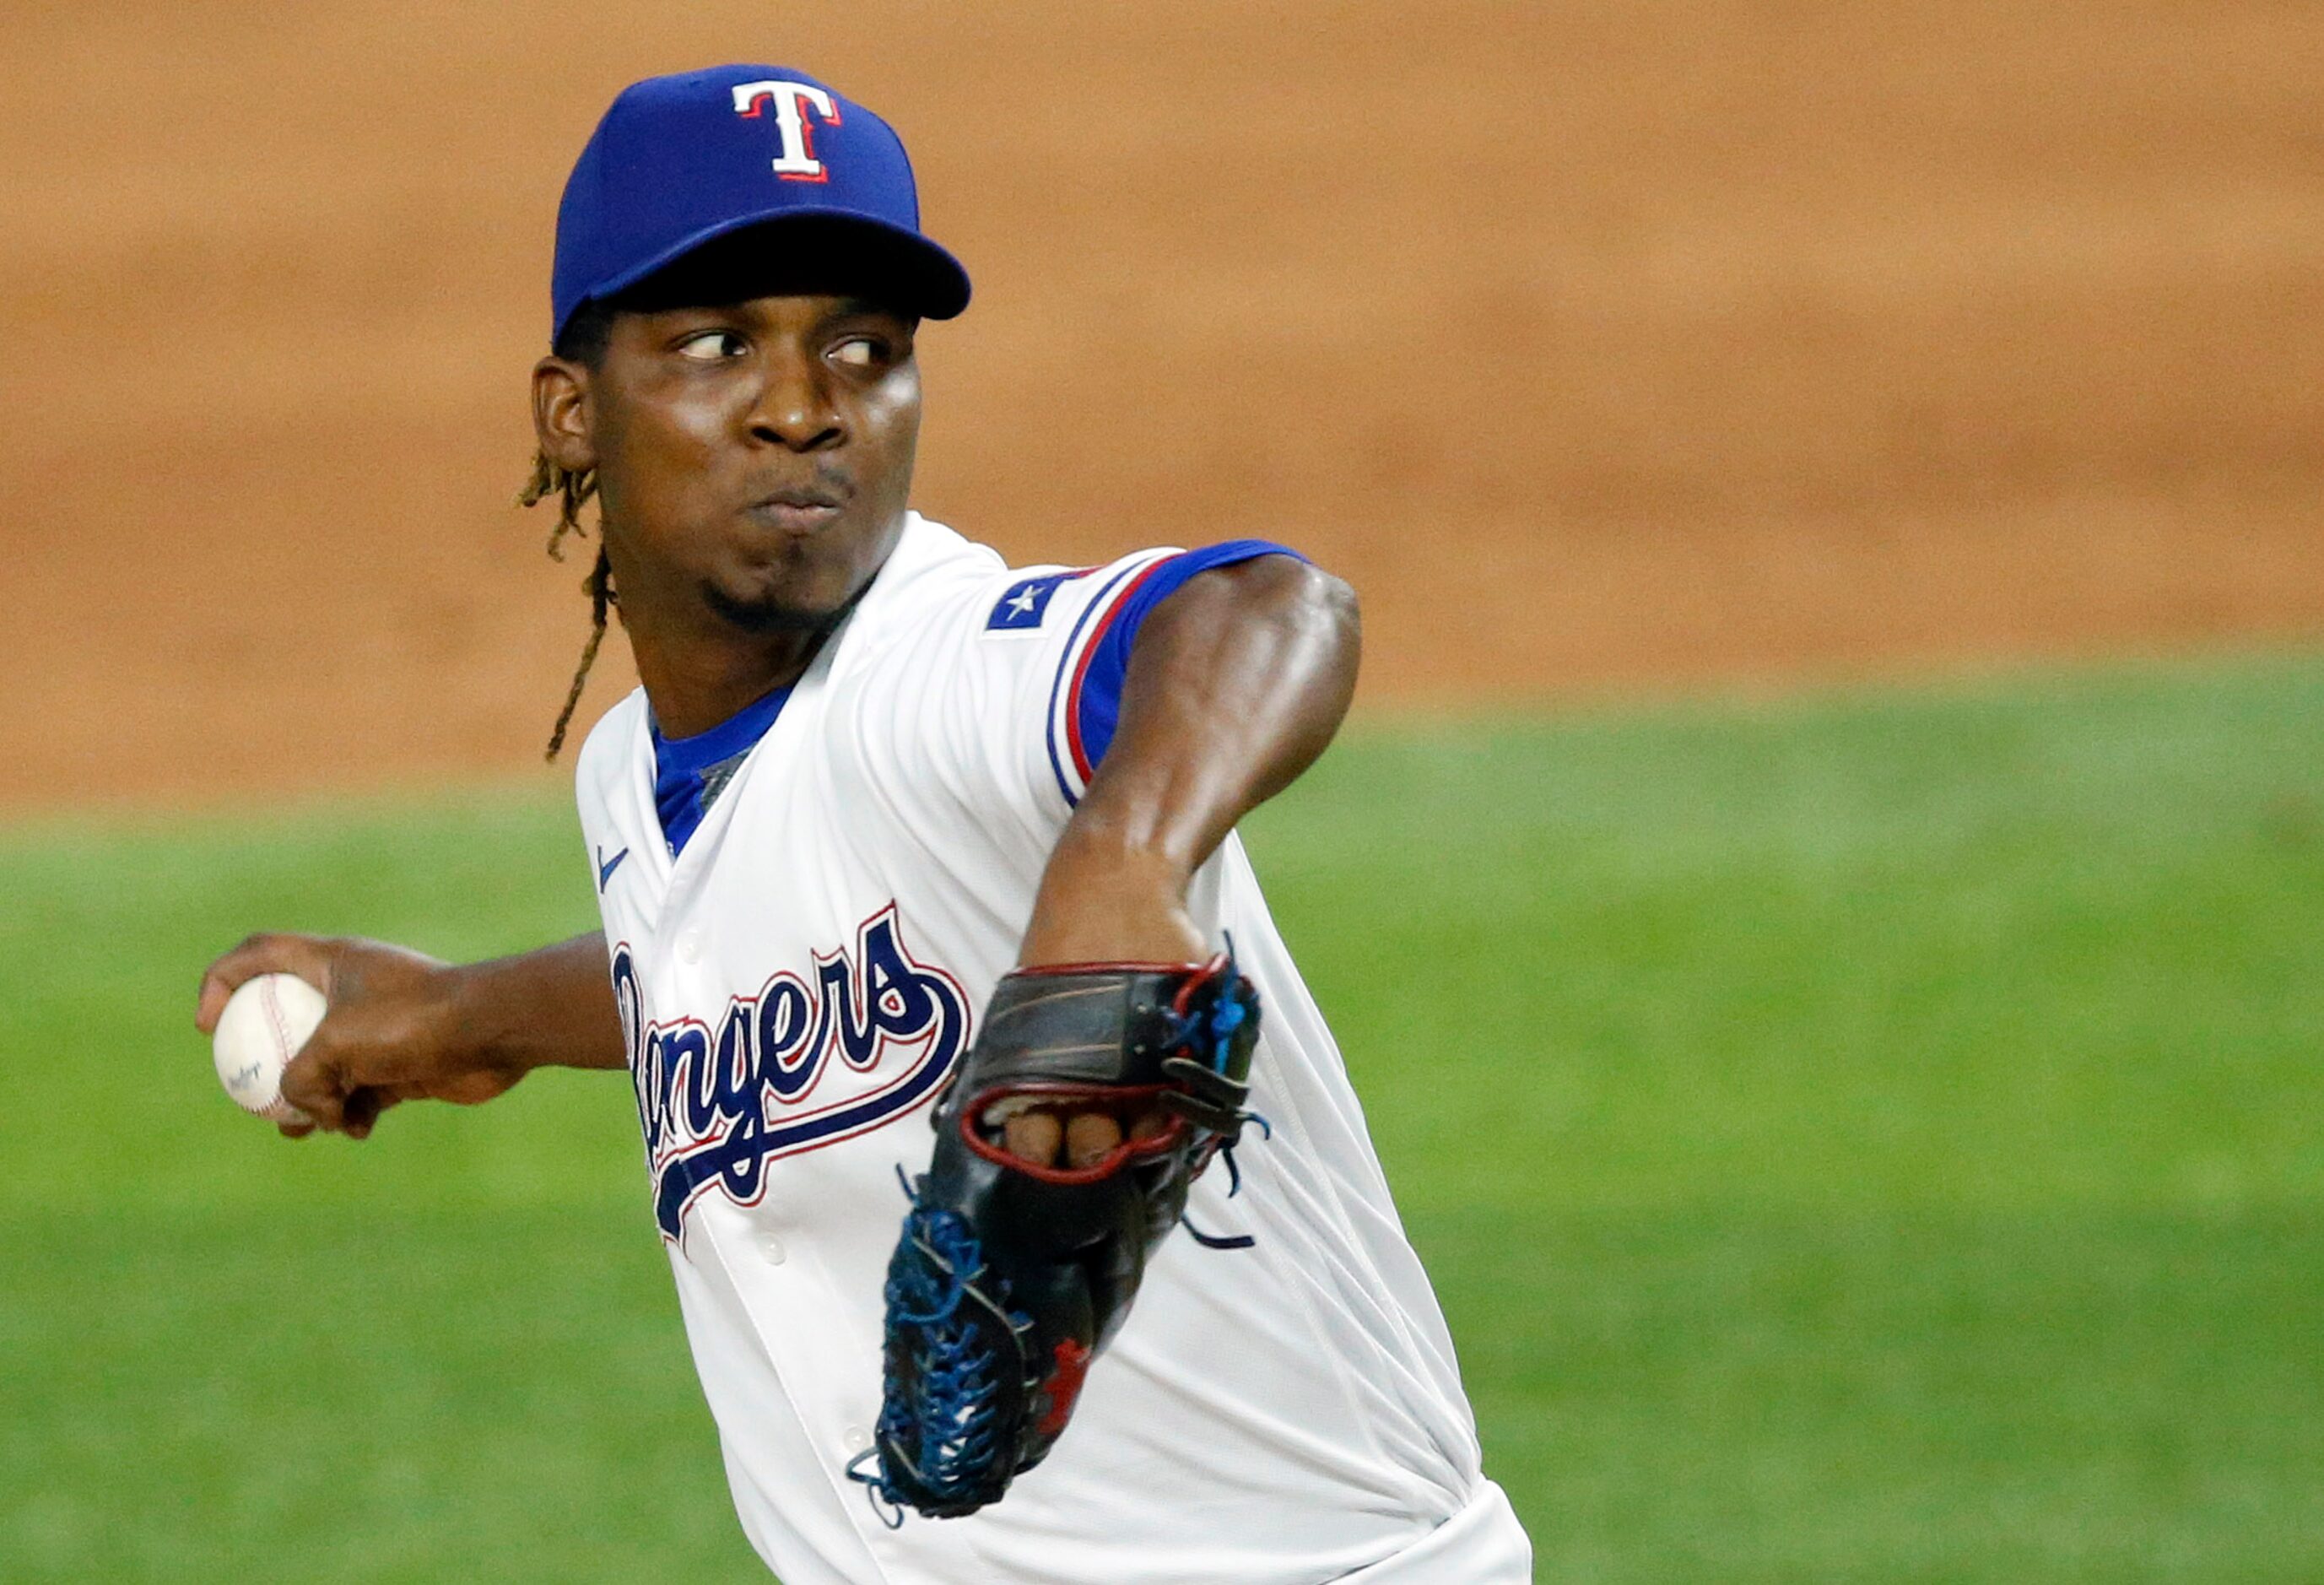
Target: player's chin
(789, 583)
(776, 606)
(760, 612)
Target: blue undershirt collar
(690, 772)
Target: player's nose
(794, 408)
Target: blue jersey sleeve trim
(1095, 708)
(1064, 667)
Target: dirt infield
(1602, 345)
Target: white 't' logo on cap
(791, 101)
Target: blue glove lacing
(1209, 1035)
(947, 1437)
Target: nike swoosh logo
(606, 867)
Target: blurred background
(1835, 495)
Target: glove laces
(1209, 1034)
(950, 1443)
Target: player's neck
(695, 686)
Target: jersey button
(857, 1439)
(689, 946)
(772, 1248)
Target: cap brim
(782, 252)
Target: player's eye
(711, 346)
(858, 352)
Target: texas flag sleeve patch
(1023, 604)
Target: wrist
(1104, 898)
(469, 1017)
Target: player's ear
(561, 413)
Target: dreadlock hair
(584, 342)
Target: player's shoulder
(1034, 599)
(940, 586)
(931, 569)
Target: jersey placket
(766, 1252)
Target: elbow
(1328, 609)
(1318, 615)
(1319, 664)
(1337, 599)
(1299, 594)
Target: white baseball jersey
(855, 866)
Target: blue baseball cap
(684, 160)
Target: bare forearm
(1236, 684)
(549, 1007)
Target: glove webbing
(954, 1442)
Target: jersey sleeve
(995, 692)
(1091, 653)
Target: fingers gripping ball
(266, 1021)
(1015, 1268)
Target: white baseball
(266, 1021)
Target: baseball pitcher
(1023, 1217)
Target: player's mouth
(798, 509)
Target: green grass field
(1875, 1136)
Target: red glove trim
(1120, 1156)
